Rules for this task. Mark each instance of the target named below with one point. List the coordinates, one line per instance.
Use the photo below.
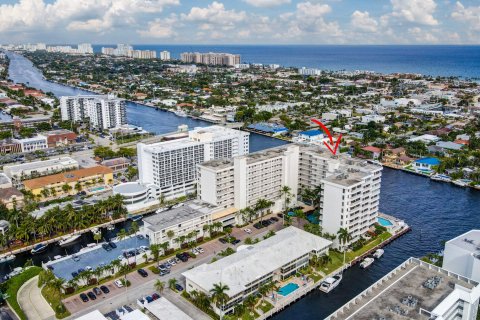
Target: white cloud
(418, 11)
(85, 15)
(363, 22)
(308, 19)
(266, 3)
(160, 28)
(422, 36)
(214, 13)
(471, 15)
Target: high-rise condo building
(85, 48)
(211, 58)
(103, 112)
(164, 55)
(349, 188)
(171, 165)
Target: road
(141, 287)
(33, 303)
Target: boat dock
(56, 239)
(303, 291)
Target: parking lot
(141, 287)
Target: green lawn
(337, 261)
(13, 284)
(265, 306)
(379, 239)
(55, 300)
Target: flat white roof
(469, 241)
(165, 310)
(94, 315)
(135, 315)
(245, 266)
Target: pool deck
(93, 257)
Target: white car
(200, 250)
(247, 230)
(118, 283)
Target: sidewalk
(33, 303)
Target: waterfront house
(311, 135)
(76, 180)
(426, 163)
(372, 151)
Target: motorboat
(180, 113)
(69, 240)
(161, 210)
(39, 248)
(462, 182)
(366, 262)
(377, 254)
(14, 273)
(8, 258)
(441, 177)
(111, 227)
(96, 231)
(330, 283)
(137, 218)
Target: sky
(240, 21)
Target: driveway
(33, 303)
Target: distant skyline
(240, 21)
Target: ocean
(441, 60)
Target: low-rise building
(11, 198)
(244, 272)
(415, 290)
(29, 170)
(60, 137)
(187, 219)
(117, 164)
(71, 182)
(9, 146)
(33, 144)
(462, 255)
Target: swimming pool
(96, 189)
(384, 222)
(288, 288)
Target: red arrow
(333, 149)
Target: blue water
(435, 211)
(443, 60)
(384, 222)
(287, 289)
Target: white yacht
(10, 257)
(161, 210)
(180, 113)
(441, 177)
(366, 262)
(378, 253)
(462, 182)
(330, 283)
(69, 240)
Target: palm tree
(159, 286)
(249, 302)
(261, 205)
(172, 283)
(285, 191)
(344, 237)
(220, 296)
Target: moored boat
(69, 240)
(10, 257)
(180, 113)
(378, 253)
(330, 283)
(137, 218)
(441, 177)
(367, 262)
(462, 182)
(39, 248)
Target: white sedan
(118, 283)
(247, 230)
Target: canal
(436, 211)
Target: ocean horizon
(431, 60)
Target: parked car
(112, 245)
(106, 247)
(235, 242)
(247, 230)
(164, 272)
(118, 283)
(178, 287)
(97, 291)
(104, 289)
(84, 297)
(142, 272)
(222, 240)
(258, 225)
(74, 274)
(200, 249)
(92, 295)
(155, 296)
(274, 219)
